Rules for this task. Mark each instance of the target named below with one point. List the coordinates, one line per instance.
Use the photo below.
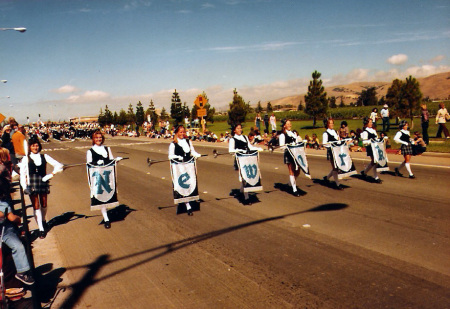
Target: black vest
(289, 139)
(33, 169)
(238, 144)
(180, 152)
(96, 157)
(405, 137)
(331, 138)
(370, 135)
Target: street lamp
(20, 29)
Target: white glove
(197, 155)
(47, 177)
(119, 158)
(58, 169)
(260, 149)
(100, 162)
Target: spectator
(442, 117)
(19, 142)
(419, 146)
(7, 143)
(273, 122)
(315, 142)
(425, 117)
(374, 116)
(387, 142)
(258, 121)
(384, 113)
(273, 142)
(343, 130)
(266, 123)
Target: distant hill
(436, 87)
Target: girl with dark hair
(330, 135)
(34, 180)
(285, 138)
(403, 137)
(368, 134)
(182, 150)
(240, 143)
(99, 155)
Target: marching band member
(403, 137)
(368, 134)
(100, 155)
(330, 135)
(240, 144)
(34, 180)
(182, 150)
(289, 137)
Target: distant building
(88, 119)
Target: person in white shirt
(403, 137)
(273, 122)
(34, 180)
(240, 144)
(330, 135)
(374, 117)
(182, 150)
(384, 113)
(289, 138)
(368, 134)
(441, 118)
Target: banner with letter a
(342, 160)
(249, 171)
(184, 180)
(379, 154)
(102, 182)
(299, 154)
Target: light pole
(20, 29)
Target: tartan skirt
(288, 159)
(406, 149)
(37, 186)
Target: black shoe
(397, 173)
(325, 178)
(296, 193)
(340, 187)
(247, 202)
(378, 180)
(25, 278)
(45, 224)
(42, 234)
(363, 174)
(189, 212)
(107, 225)
(412, 176)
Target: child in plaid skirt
(403, 137)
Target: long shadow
(288, 188)
(88, 279)
(47, 280)
(329, 184)
(239, 196)
(118, 213)
(368, 179)
(64, 219)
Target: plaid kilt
(288, 159)
(37, 186)
(406, 149)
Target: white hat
(385, 106)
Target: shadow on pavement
(118, 213)
(329, 184)
(47, 280)
(288, 188)
(88, 279)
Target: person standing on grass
(425, 117)
(384, 113)
(442, 117)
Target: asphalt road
(368, 246)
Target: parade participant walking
(442, 117)
(367, 135)
(34, 180)
(285, 138)
(384, 113)
(403, 137)
(101, 156)
(182, 150)
(240, 144)
(330, 135)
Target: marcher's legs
(439, 131)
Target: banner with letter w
(379, 154)
(342, 160)
(249, 171)
(184, 180)
(102, 182)
(299, 154)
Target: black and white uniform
(182, 151)
(288, 138)
(99, 155)
(33, 168)
(241, 144)
(403, 137)
(329, 135)
(367, 135)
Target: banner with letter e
(379, 154)
(249, 171)
(298, 153)
(184, 180)
(102, 182)
(342, 159)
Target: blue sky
(77, 55)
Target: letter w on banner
(379, 154)
(299, 154)
(102, 182)
(342, 160)
(184, 180)
(249, 171)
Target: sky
(78, 56)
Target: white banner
(342, 159)
(379, 154)
(298, 152)
(184, 180)
(102, 183)
(249, 170)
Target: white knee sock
(375, 174)
(336, 178)
(188, 206)
(105, 214)
(38, 217)
(408, 168)
(293, 182)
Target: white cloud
(208, 5)
(256, 47)
(437, 58)
(65, 89)
(88, 96)
(397, 59)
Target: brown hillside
(437, 87)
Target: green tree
(140, 115)
(341, 104)
(394, 96)
(123, 118)
(176, 109)
(368, 97)
(332, 102)
(151, 111)
(258, 108)
(269, 107)
(300, 106)
(164, 116)
(131, 117)
(412, 96)
(115, 118)
(316, 99)
(237, 110)
(101, 118)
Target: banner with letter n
(249, 171)
(184, 180)
(379, 154)
(342, 159)
(102, 182)
(298, 153)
